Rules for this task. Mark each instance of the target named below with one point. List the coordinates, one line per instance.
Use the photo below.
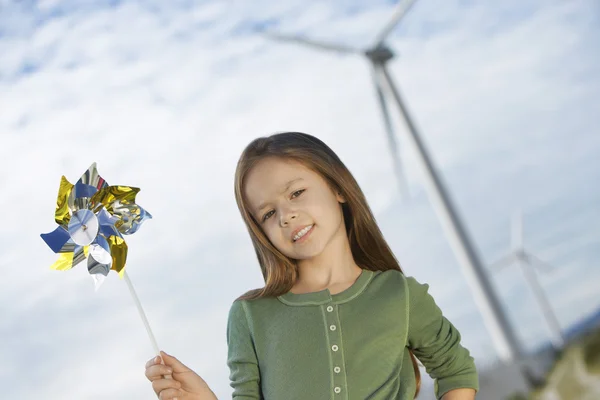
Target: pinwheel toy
(92, 218)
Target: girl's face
(295, 207)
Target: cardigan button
(337, 370)
(334, 347)
(337, 389)
(332, 327)
(329, 309)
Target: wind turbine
(506, 343)
(379, 54)
(527, 262)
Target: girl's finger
(152, 361)
(170, 394)
(160, 385)
(157, 372)
(173, 362)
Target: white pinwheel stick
(140, 309)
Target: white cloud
(165, 97)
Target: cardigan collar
(325, 296)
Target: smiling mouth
(302, 233)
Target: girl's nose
(287, 216)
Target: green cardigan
(352, 345)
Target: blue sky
(165, 95)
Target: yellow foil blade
(62, 215)
(118, 250)
(68, 260)
(108, 195)
(64, 262)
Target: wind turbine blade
(517, 231)
(312, 43)
(401, 10)
(392, 142)
(504, 261)
(535, 260)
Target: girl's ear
(340, 198)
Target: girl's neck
(334, 269)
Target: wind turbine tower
(504, 337)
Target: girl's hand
(185, 384)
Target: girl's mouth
(302, 234)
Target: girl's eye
(268, 215)
(297, 193)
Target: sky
(165, 95)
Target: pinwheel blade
(67, 261)
(62, 214)
(100, 251)
(118, 250)
(92, 178)
(84, 191)
(57, 239)
(107, 223)
(132, 217)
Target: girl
(337, 318)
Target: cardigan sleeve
(436, 343)
(242, 360)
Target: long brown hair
(369, 248)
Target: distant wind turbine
(501, 331)
(527, 262)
